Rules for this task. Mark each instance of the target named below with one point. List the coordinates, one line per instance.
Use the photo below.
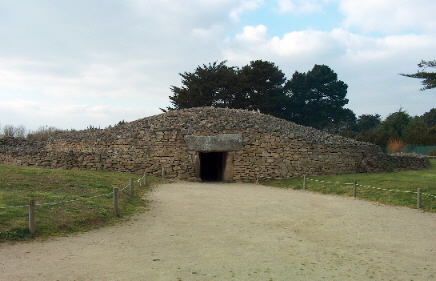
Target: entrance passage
(212, 165)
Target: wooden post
(131, 187)
(145, 179)
(163, 173)
(355, 189)
(304, 182)
(32, 216)
(117, 211)
(419, 198)
(257, 179)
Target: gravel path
(198, 231)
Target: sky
(74, 64)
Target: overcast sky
(71, 64)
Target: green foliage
(120, 123)
(396, 124)
(417, 130)
(18, 184)
(420, 135)
(16, 234)
(261, 83)
(367, 122)
(428, 78)
(92, 128)
(364, 128)
(429, 118)
(210, 85)
(315, 98)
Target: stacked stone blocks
(272, 148)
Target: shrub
(432, 152)
(14, 132)
(41, 134)
(395, 146)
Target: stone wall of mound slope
(272, 148)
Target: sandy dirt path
(196, 231)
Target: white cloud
(253, 35)
(97, 79)
(303, 43)
(335, 45)
(370, 66)
(67, 116)
(109, 54)
(387, 16)
(244, 6)
(299, 6)
(254, 43)
(99, 62)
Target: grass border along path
(398, 181)
(18, 184)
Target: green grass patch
(395, 183)
(19, 184)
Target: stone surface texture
(223, 142)
(271, 148)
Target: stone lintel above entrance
(223, 142)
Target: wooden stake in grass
(32, 216)
(131, 187)
(145, 179)
(355, 189)
(304, 182)
(419, 198)
(116, 209)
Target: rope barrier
(373, 187)
(14, 207)
(73, 200)
(69, 201)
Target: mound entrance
(212, 166)
(215, 154)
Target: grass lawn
(19, 184)
(396, 183)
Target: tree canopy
(430, 118)
(429, 78)
(261, 83)
(367, 122)
(417, 130)
(315, 98)
(210, 85)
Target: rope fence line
(115, 194)
(419, 192)
(74, 200)
(59, 202)
(14, 207)
(373, 187)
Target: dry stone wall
(271, 148)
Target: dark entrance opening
(212, 165)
